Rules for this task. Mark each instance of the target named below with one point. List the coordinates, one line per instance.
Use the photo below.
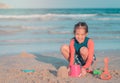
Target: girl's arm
(72, 52)
(90, 53)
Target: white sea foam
(53, 15)
(12, 29)
(106, 18)
(59, 32)
(50, 16)
(46, 16)
(109, 14)
(33, 40)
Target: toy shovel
(105, 75)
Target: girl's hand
(83, 71)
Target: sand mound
(62, 72)
(26, 55)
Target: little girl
(81, 48)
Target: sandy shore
(47, 66)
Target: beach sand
(47, 68)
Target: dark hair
(83, 24)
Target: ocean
(45, 30)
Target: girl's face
(80, 34)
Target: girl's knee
(64, 47)
(65, 51)
(84, 51)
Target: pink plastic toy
(75, 70)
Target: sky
(62, 3)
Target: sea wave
(106, 38)
(106, 18)
(107, 14)
(48, 40)
(56, 15)
(25, 27)
(46, 16)
(59, 32)
(50, 16)
(33, 40)
(13, 29)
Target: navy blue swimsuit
(78, 58)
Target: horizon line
(61, 8)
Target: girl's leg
(65, 51)
(84, 53)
